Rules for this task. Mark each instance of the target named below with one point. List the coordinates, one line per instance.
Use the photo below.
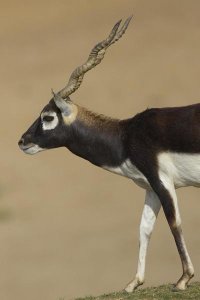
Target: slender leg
(167, 195)
(149, 215)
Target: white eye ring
(49, 120)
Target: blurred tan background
(67, 228)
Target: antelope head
(52, 128)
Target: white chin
(33, 150)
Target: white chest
(127, 169)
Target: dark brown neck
(97, 138)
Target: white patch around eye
(49, 125)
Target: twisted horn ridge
(95, 57)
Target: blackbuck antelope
(158, 149)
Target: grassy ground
(163, 292)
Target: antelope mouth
(26, 147)
(31, 149)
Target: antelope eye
(47, 118)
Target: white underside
(180, 169)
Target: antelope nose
(21, 142)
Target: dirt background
(67, 228)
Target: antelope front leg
(149, 215)
(167, 196)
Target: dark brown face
(47, 132)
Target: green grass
(163, 292)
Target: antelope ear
(63, 105)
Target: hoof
(133, 285)
(179, 287)
(128, 289)
(175, 289)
